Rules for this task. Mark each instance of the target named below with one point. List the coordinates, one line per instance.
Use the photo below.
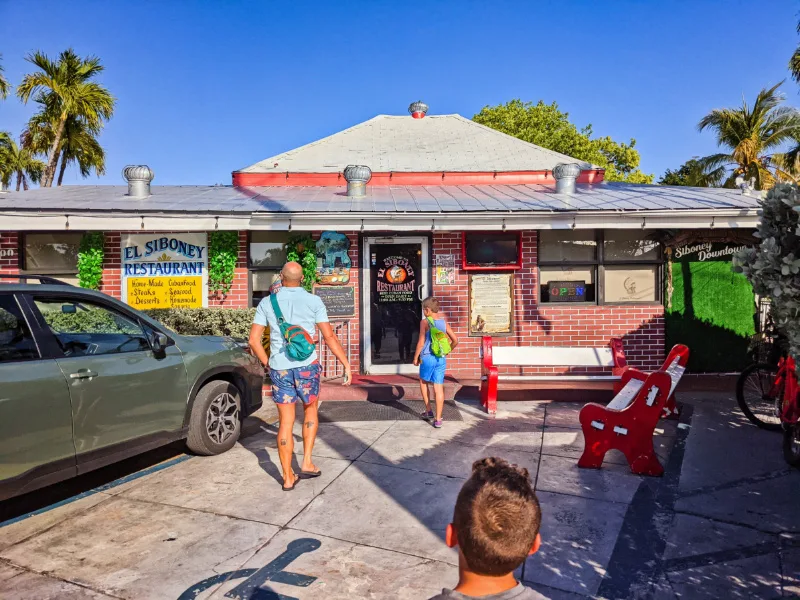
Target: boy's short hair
(431, 303)
(497, 517)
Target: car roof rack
(40, 278)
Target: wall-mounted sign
(445, 269)
(396, 280)
(333, 261)
(706, 251)
(491, 304)
(165, 271)
(338, 301)
(566, 291)
(7, 252)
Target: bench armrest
(628, 373)
(487, 364)
(618, 353)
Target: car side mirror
(158, 341)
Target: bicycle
(769, 395)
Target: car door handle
(83, 374)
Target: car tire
(215, 422)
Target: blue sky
(204, 88)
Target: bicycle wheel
(758, 400)
(791, 444)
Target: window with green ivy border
(54, 254)
(266, 253)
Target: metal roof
(602, 197)
(388, 143)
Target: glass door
(396, 276)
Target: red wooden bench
(628, 422)
(492, 357)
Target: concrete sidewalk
(724, 521)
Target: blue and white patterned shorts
(289, 385)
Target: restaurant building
(518, 242)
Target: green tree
(79, 143)
(691, 173)
(753, 137)
(546, 126)
(794, 61)
(19, 161)
(66, 88)
(4, 86)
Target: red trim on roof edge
(241, 179)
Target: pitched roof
(436, 143)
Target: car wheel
(215, 422)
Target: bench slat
(550, 356)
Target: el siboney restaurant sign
(165, 271)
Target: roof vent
(418, 109)
(138, 178)
(566, 174)
(357, 177)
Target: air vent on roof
(357, 177)
(565, 175)
(138, 178)
(418, 109)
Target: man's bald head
(292, 274)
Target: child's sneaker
(437, 424)
(428, 414)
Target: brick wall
(238, 297)
(9, 252)
(640, 326)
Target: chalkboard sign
(338, 301)
(567, 291)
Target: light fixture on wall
(504, 224)
(433, 224)
(142, 225)
(216, 223)
(574, 224)
(362, 224)
(66, 225)
(712, 222)
(290, 225)
(644, 222)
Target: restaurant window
(599, 266)
(266, 255)
(52, 254)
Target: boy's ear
(536, 544)
(450, 537)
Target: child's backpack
(299, 345)
(440, 341)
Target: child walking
(436, 340)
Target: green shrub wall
(712, 313)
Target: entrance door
(396, 278)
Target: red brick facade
(640, 326)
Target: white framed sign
(165, 271)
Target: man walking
(294, 379)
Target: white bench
(611, 357)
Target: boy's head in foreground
(496, 520)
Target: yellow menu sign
(165, 292)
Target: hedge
(233, 322)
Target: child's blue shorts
(432, 368)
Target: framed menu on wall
(491, 304)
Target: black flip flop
(310, 474)
(290, 488)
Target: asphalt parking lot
(724, 521)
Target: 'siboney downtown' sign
(706, 251)
(165, 271)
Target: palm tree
(78, 143)
(4, 87)
(19, 161)
(794, 62)
(66, 87)
(753, 137)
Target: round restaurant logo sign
(396, 274)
